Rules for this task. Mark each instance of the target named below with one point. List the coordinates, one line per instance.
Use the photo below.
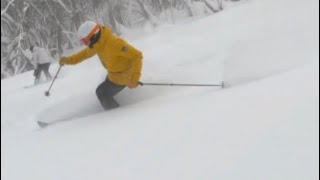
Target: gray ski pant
(40, 68)
(106, 92)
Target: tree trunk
(210, 7)
(145, 12)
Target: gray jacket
(40, 56)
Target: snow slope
(264, 125)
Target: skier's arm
(134, 56)
(136, 64)
(35, 59)
(78, 57)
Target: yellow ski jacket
(121, 60)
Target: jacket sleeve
(81, 56)
(133, 55)
(35, 58)
(136, 64)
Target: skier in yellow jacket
(122, 61)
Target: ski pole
(55, 77)
(173, 84)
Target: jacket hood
(105, 36)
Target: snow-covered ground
(263, 126)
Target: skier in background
(122, 61)
(42, 61)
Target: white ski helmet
(87, 29)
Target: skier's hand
(63, 61)
(132, 85)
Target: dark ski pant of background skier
(106, 91)
(45, 69)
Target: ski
(34, 85)
(26, 87)
(43, 124)
(46, 124)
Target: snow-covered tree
(53, 23)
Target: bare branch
(6, 8)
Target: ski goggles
(86, 40)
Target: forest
(53, 24)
